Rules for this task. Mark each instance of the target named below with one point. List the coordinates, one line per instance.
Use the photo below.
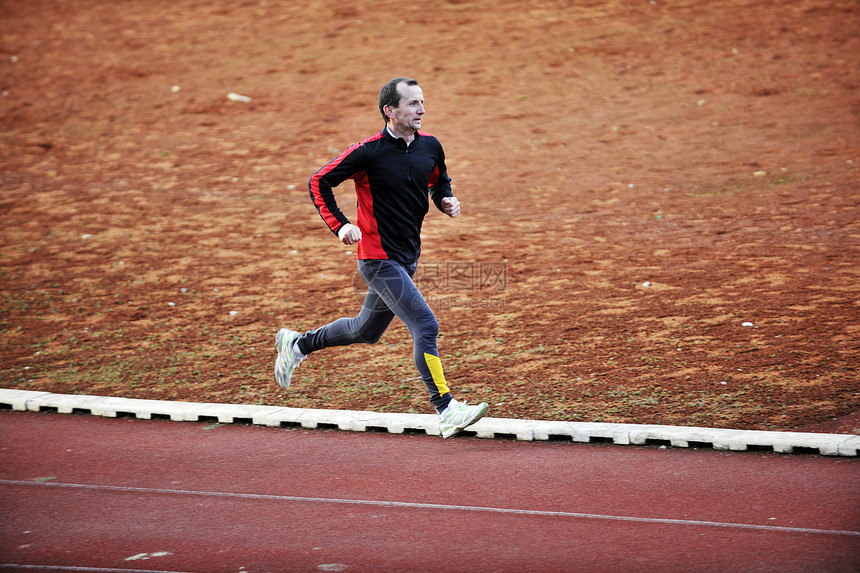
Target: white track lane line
(440, 507)
(17, 566)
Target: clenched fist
(451, 206)
(349, 234)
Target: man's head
(401, 103)
(390, 94)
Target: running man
(396, 173)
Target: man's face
(408, 114)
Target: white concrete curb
(527, 430)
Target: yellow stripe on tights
(435, 366)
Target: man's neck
(405, 136)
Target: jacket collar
(398, 140)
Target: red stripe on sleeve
(324, 196)
(333, 223)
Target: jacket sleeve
(347, 165)
(440, 183)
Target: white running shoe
(458, 416)
(287, 360)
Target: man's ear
(388, 112)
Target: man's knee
(370, 335)
(429, 326)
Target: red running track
(83, 493)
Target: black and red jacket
(392, 182)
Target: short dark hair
(389, 95)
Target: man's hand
(451, 206)
(349, 234)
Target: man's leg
(367, 327)
(393, 283)
(392, 292)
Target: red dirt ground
(638, 180)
